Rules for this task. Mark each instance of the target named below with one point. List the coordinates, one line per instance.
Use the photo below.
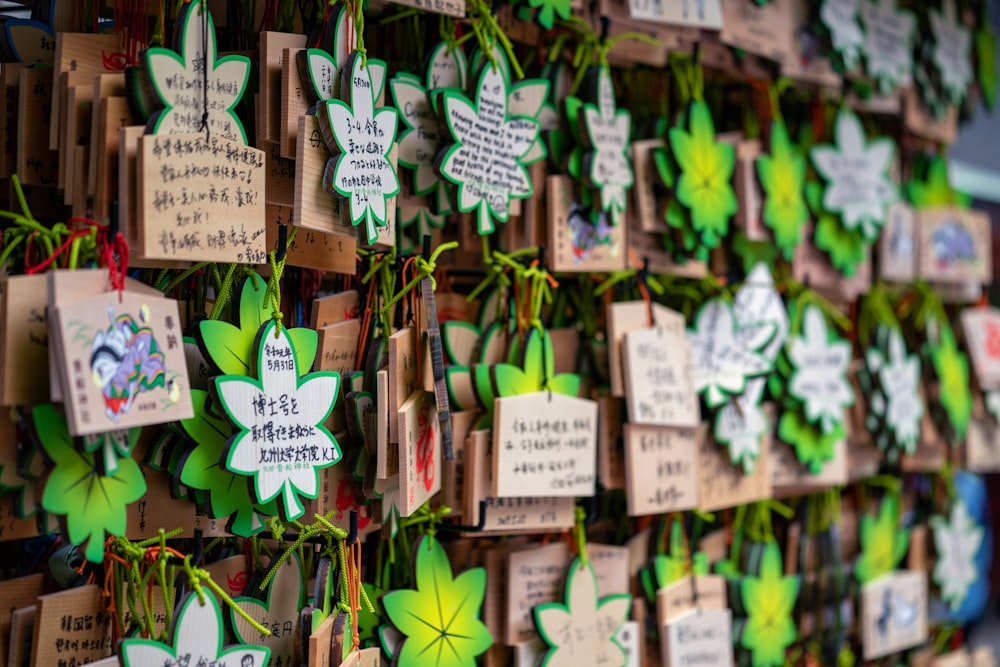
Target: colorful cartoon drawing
(586, 236)
(125, 361)
(952, 244)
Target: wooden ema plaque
(200, 199)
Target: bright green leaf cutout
(537, 371)
(813, 448)
(952, 369)
(782, 177)
(935, 189)
(706, 167)
(986, 47)
(585, 626)
(228, 494)
(230, 349)
(769, 599)
(440, 618)
(548, 9)
(91, 503)
(883, 542)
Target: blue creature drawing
(952, 244)
(585, 234)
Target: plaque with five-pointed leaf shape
(584, 627)
(178, 78)
(281, 441)
(439, 618)
(857, 175)
(769, 599)
(486, 160)
(360, 139)
(196, 639)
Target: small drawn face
(107, 353)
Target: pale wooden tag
(699, 636)
(893, 613)
(804, 63)
(79, 101)
(534, 576)
(314, 208)
(579, 244)
(982, 445)
(764, 30)
(25, 337)
(453, 472)
(366, 657)
(402, 373)
(530, 653)
(920, 120)
(272, 54)
(76, 630)
(703, 592)
(507, 515)
(721, 484)
(447, 7)
(338, 348)
(110, 85)
(610, 565)
(661, 465)
(646, 211)
(610, 442)
(495, 559)
(280, 184)
(37, 164)
(12, 527)
(981, 327)
(10, 78)
(17, 594)
(78, 52)
(293, 108)
(545, 444)
(65, 287)
(319, 649)
(200, 200)
(704, 14)
(124, 360)
(333, 252)
(954, 246)
(626, 316)
(333, 308)
(811, 266)
(388, 456)
(659, 385)
(789, 477)
(22, 628)
(158, 508)
(419, 451)
(897, 247)
(748, 191)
